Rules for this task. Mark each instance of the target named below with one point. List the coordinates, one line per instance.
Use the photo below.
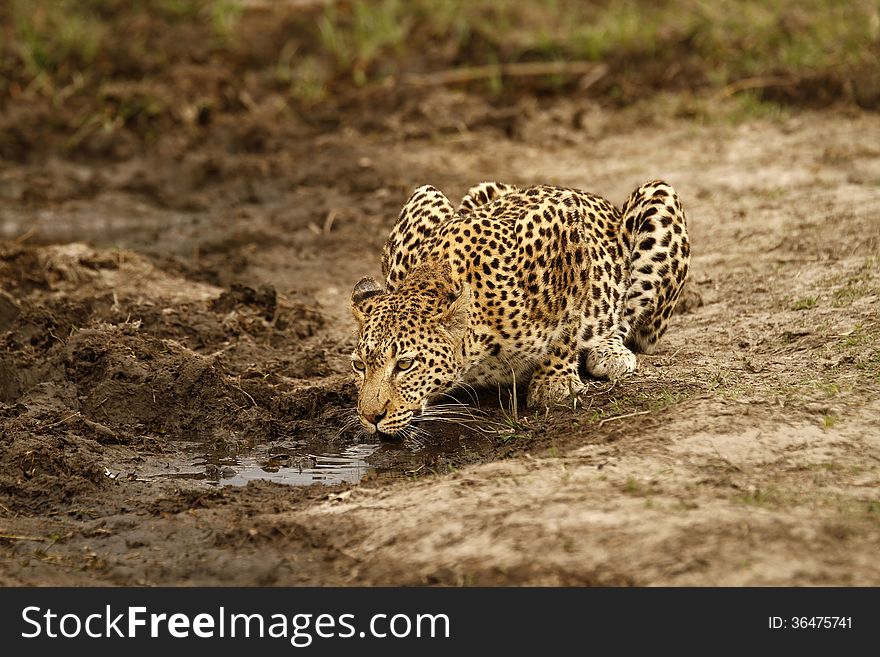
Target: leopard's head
(410, 346)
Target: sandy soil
(192, 300)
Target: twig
(55, 424)
(100, 428)
(24, 237)
(245, 393)
(15, 537)
(620, 417)
(248, 101)
(595, 72)
(756, 83)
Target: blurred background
(100, 77)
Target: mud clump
(92, 360)
(264, 298)
(9, 310)
(45, 472)
(140, 383)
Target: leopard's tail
(655, 232)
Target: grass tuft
(805, 304)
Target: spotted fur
(516, 283)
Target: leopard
(527, 286)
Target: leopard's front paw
(553, 390)
(611, 361)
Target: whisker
(454, 410)
(454, 399)
(467, 388)
(412, 436)
(420, 433)
(350, 422)
(452, 415)
(472, 393)
(461, 408)
(344, 429)
(464, 423)
(450, 411)
(449, 417)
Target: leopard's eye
(358, 365)
(404, 364)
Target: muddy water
(308, 462)
(294, 463)
(345, 466)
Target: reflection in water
(306, 462)
(347, 466)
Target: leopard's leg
(605, 325)
(556, 378)
(426, 209)
(656, 228)
(484, 193)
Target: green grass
(830, 388)
(805, 304)
(768, 497)
(829, 420)
(52, 45)
(734, 39)
(372, 29)
(367, 40)
(512, 428)
(854, 284)
(867, 361)
(632, 486)
(76, 54)
(870, 364)
(668, 398)
(52, 35)
(846, 296)
(860, 510)
(827, 466)
(224, 16)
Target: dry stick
(55, 424)
(620, 417)
(245, 393)
(15, 537)
(100, 428)
(757, 83)
(24, 237)
(594, 70)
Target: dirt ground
(168, 316)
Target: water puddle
(346, 466)
(292, 463)
(301, 462)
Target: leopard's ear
(455, 316)
(364, 289)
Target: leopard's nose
(375, 418)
